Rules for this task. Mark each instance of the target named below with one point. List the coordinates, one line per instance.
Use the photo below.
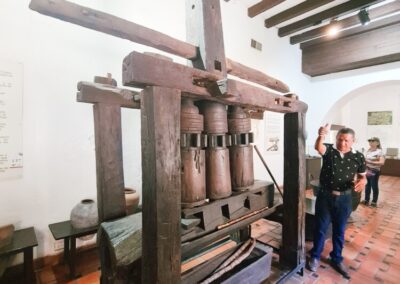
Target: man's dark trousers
(335, 209)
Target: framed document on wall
(380, 118)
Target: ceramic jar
(132, 199)
(84, 215)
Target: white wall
(58, 146)
(328, 94)
(352, 110)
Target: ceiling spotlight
(333, 28)
(363, 16)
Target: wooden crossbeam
(262, 6)
(333, 12)
(357, 30)
(109, 24)
(294, 11)
(192, 82)
(244, 72)
(99, 93)
(366, 49)
(378, 12)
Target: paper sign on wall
(273, 132)
(11, 162)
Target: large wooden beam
(295, 11)
(160, 128)
(337, 11)
(357, 30)
(158, 72)
(109, 170)
(251, 97)
(262, 6)
(292, 252)
(375, 13)
(370, 48)
(244, 72)
(204, 29)
(106, 94)
(109, 24)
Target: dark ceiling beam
(369, 48)
(295, 11)
(356, 30)
(378, 12)
(262, 6)
(337, 11)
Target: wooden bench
(23, 240)
(64, 230)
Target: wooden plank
(204, 29)
(244, 72)
(207, 256)
(109, 170)
(295, 11)
(375, 13)
(109, 24)
(262, 6)
(197, 274)
(99, 21)
(190, 247)
(292, 252)
(157, 72)
(160, 129)
(106, 94)
(337, 11)
(357, 30)
(367, 49)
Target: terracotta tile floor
(87, 266)
(372, 249)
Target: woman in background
(374, 159)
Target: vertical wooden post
(160, 128)
(204, 29)
(109, 166)
(293, 227)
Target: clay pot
(84, 215)
(132, 199)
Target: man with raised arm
(343, 170)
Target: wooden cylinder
(241, 165)
(218, 173)
(191, 120)
(193, 177)
(241, 152)
(215, 117)
(193, 168)
(238, 120)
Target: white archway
(352, 109)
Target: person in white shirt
(374, 159)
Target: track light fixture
(363, 16)
(333, 28)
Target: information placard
(11, 155)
